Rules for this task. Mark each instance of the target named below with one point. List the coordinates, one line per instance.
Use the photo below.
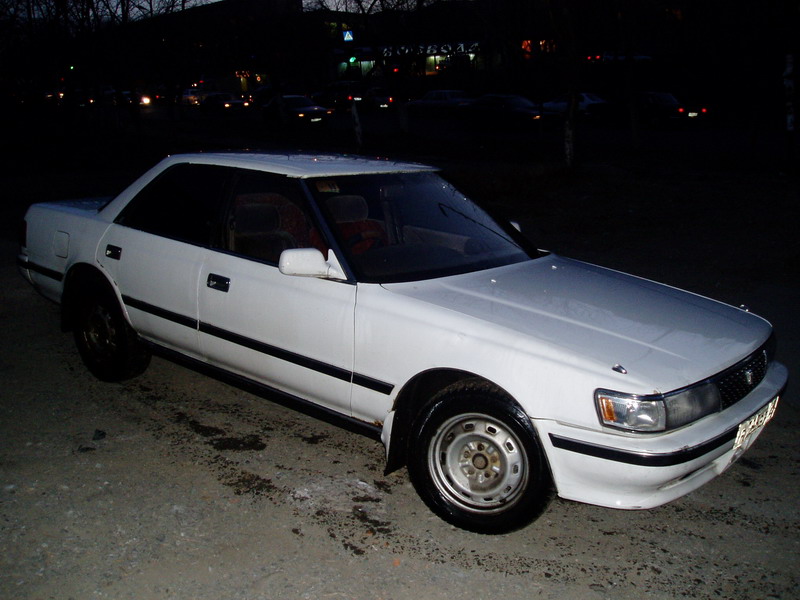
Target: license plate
(755, 422)
(692, 115)
(316, 120)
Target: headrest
(261, 198)
(256, 218)
(348, 209)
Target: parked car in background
(340, 95)
(374, 293)
(191, 97)
(587, 105)
(223, 103)
(663, 108)
(121, 98)
(377, 98)
(502, 111)
(289, 110)
(438, 102)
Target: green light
(352, 59)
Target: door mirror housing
(309, 262)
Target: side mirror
(308, 262)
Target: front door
(292, 333)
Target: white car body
(548, 332)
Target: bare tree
(365, 7)
(78, 16)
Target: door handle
(114, 252)
(218, 282)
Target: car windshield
(411, 226)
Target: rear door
(157, 246)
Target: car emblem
(748, 377)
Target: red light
(703, 110)
(396, 70)
(349, 98)
(681, 110)
(588, 58)
(597, 57)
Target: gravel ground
(174, 485)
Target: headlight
(659, 412)
(636, 413)
(690, 404)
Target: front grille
(735, 383)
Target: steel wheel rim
(100, 333)
(478, 463)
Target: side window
(183, 203)
(268, 214)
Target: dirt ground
(174, 485)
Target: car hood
(663, 337)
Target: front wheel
(476, 462)
(109, 347)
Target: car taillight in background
(692, 113)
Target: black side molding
(369, 430)
(643, 459)
(30, 266)
(303, 361)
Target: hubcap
(478, 463)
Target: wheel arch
(413, 397)
(81, 278)
(477, 461)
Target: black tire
(475, 460)
(109, 347)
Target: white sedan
(373, 292)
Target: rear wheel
(476, 462)
(109, 347)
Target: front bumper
(634, 471)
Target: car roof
(301, 165)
